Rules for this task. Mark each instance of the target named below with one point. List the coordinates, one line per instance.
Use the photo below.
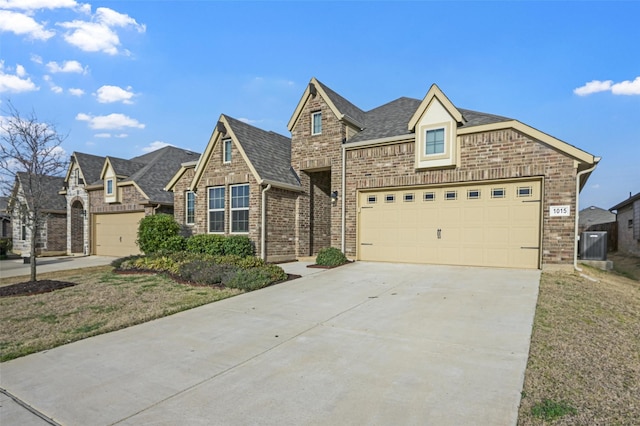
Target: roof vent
(221, 128)
(312, 89)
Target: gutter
(263, 230)
(577, 237)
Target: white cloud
(67, 66)
(122, 135)
(594, 86)
(108, 122)
(154, 146)
(108, 94)
(21, 24)
(56, 89)
(15, 83)
(98, 35)
(102, 135)
(38, 4)
(36, 59)
(623, 88)
(76, 92)
(248, 121)
(627, 87)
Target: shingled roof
(268, 152)
(344, 106)
(44, 187)
(156, 169)
(90, 166)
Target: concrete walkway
(17, 267)
(366, 343)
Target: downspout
(263, 230)
(155, 209)
(577, 237)
(344, 196)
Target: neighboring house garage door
(495, 224)
(116, 234)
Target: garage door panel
(475, 228)
(116, 234)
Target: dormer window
(434, 141)
(226, 154)
(109, 186)
(316, 123)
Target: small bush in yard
(238, 245)
(118, 263)
(155, 231)
(257, 278)
(208, 273)
(241, 262)
(330, 256)
(206, 244)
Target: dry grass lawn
(584, 360)
(101, 301)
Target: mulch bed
(33, 287)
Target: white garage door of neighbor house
(116, 234)
(495, 224)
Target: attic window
(109, 186)
(316, 123)
(226, 154)
(434, 141)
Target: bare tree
(30, 154)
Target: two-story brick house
(425, 181)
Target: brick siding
(505, 154)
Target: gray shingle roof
(392, 119)
(629, 200)
(45, 188)
(90, 165)
(595, 215)
(268, 152)
(344, 106)
(160, 167)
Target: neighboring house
(5, 219)
(410, 181)
(628, 218)
(52, 237)
(594, 216)
(242, 180)
(124, 192)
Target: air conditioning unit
(593, 245)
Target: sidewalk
(17, 267)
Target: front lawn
(100, 302)
(584, 360)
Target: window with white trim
(109, 186)
(316, 123)
(216, 209)
(434, 141)
(429, 196)
(190, 208)
(240, 208)
(226, 148)
(451, 195)
(372, 199)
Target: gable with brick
(242, 184)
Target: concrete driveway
(366, 343)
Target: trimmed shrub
(330, 256)
(5, 246)
(174, 244)
(240, 262)
(155, 231)
(256, 278)
(208, 273)
(238, 245)
(206, 243)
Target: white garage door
(495, 224)
(116, 234)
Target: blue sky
(123, 77)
